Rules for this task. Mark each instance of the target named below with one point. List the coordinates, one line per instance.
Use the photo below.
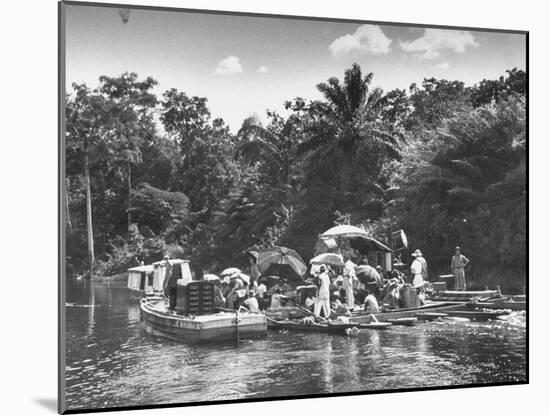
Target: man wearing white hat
(419, 269)
(322, 301)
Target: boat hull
(408, 312)
(221, 326)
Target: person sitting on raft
(338, 308)
(391, 297)
(237, 292)
(371, 304)
(277, 299)
(280, 285)
(252, 303)
(309, 303)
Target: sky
(245, 65)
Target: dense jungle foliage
(148, 175)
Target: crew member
(458, 262)
(371, 304)
(322, 300)
(349, 276)
(252, 303)
(416, 269)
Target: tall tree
(348, 139)
(89, 134)
(133, 105)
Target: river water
(113, 360)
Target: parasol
(343, 231)
(283, 262)
(210, 277)
(367, 274)
(335, 260)
(229, 272)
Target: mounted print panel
(256, 207)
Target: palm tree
(348, 132)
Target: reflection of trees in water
(129, 366)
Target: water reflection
(113, 360)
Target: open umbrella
(343, 231)
(364, 244)
(334, 260)
(210, 277)
(283, 262)
(367, 274)
(229, 272)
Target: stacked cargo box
(195, 297)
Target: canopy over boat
(142, 268)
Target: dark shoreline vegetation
(445, 162)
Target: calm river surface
(112, 360)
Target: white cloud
(263, 69)
(434, 41)
(442, 65)
(229, 65)
(367, 39)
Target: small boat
(478, 315)
(431, 316)
(311, 326)
(399, 313)
(498, 305)
(286, 313)
(405, 321)
(148, 280)
(221, 326)
(464, 296)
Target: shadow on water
(48, 403)
(113, 360)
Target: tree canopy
(444, 161)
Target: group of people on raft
(333, 291)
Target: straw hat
(417, 253)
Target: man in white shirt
(416, 270)
(252, 303)
(322, 301)
(347, 284)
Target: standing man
(422, 260)
(458, 262)
(349, 276)
(171, 277)
(416, 269)
(323, 293)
